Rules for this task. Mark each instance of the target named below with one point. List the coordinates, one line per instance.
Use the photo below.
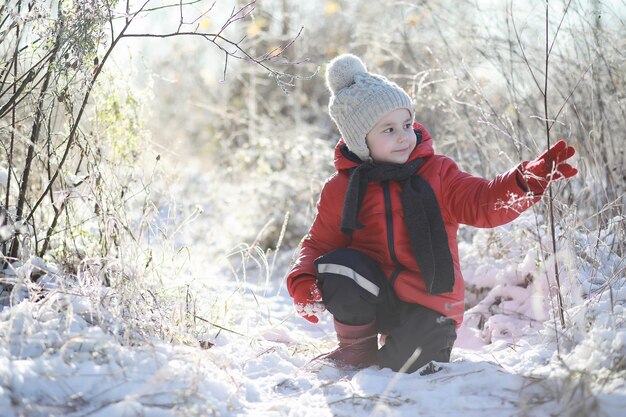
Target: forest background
(152, 151)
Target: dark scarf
(422, 217)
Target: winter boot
(358, 345)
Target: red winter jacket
(462, 198)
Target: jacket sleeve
(479, 202)
(324, 235)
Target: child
(382, 255)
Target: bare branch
(234, 16)
(215, 37)
(21, 200)
(180, 9)
(28, 77)
(167, 6)
(521, 46)
(548, 162)
(226, 55)
(73, 131)
(570, 95)
(558, 29)
(5, 218)
(203, 14)
(281, 50)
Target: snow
(75, 350)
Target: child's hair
(359, 99)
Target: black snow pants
(356, 291)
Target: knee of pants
(350, 284)
(346, 301)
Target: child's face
(392, 138)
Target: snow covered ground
(226, 342)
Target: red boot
(358, 345)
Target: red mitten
(307, 298)
(549, 166)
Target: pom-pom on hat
(359, 99)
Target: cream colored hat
(359, 99)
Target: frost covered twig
(548, 126)
(238, 51)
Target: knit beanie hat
(359, 99)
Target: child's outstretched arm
(482, 203)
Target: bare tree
(52, 54)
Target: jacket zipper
(390, 239)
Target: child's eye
(388, 130)
(408, 126)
